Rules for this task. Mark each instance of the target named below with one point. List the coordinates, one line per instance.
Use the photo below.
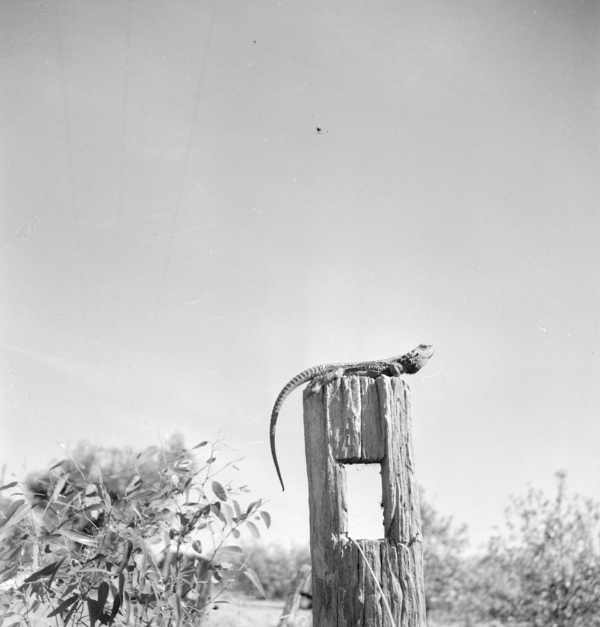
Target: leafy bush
(545, 570)
(444, 563)
(276, 567)
(146, 537)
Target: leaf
(211, 459)
(68, 590)
(92, 611)
(60, 463)
(215, 508)
(77, 536)
(133, 485)
(238, 509)
(255, 581)
(197, 546)
(64, 605)
(253, 506)
(102, 593)
(201, 444)
(9, 572)
(53, 575)
(118, 598)
(12, 484)
(58, 486)
(19, 514)
(116, 606)
(235, 532)
(9, 553)
(227, 512)
(70, 613)
(126, 556)
(96, 607)
(14, 506)
(231, 551)
(17, 511)
(219, 491)
(46, 571)
(254, 529)
(266, 518)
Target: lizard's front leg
(395, 369)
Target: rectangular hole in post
(363, 500)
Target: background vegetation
(114, 536)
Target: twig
(377, 584)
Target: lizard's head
(425, 350)
(417, 358)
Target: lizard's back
(408, 363)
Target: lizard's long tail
(290, 386)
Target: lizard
(409, 363)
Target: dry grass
(248, 613)
(241, 612)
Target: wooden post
(362, 420)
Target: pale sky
(178, 240)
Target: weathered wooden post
(360, 420)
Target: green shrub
(545, 570)
(443, 553)
(276, 566)
(109, 534)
